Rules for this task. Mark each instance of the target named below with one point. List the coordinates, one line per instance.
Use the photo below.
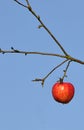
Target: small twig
(43, 79)
(27, 2)
(28, 5)
(55, 68)
(20, 3)
(65, 71)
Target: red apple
(63, 92)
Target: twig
(30, 52)
(43, 25)
(27, 2)
(41, 53)
(21, 3)
(65, 71)
(43, 79)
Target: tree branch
(43, 79)
(41, 53)
(66, 55)
(42, 24)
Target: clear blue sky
(25, 105)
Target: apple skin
(63, 92)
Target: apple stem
(61, 80)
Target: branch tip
(41, 80)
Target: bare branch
(41, 53)
(49, 32)
(42, 24)
(43, 79)
(29, 52)
(55, 68)
(66, 56)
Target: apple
(63, 92)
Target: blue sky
(24, 104)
